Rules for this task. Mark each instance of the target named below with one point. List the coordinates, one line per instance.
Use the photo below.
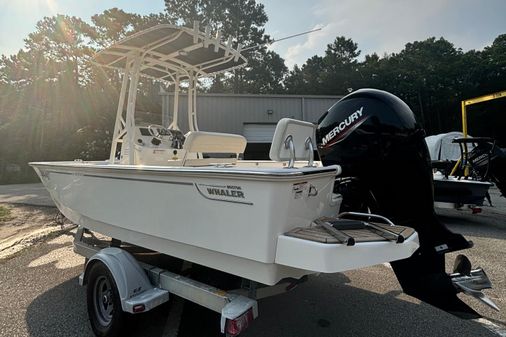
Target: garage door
(259, 133)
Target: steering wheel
(158, 132)
(154, 131)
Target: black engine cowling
(374, 136)
(489, 161)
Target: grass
(5, 213)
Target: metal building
(254, 116)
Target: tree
(371, 72)
(340, 65)
(244, 21)
(66, 42)
(432, 76)
(115, 24)
(494, 59)
(294, 82)
(55, 105)
(428, 78)
(46, 86)
(342, 51)
(111, 26)
(312, 74)
(265, 74)
(332, 74)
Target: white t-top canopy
(169, 52)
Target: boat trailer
(138, 287)
(117, 278)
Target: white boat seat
(302, 136)
(212, 143)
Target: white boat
(456, 191)
(172, 193)
(192, 197)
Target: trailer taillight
(139, 308)
(476, 210)
(239, 324)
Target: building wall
(229, 113)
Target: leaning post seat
(212, 143)
(293, 140)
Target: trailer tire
(104, 305)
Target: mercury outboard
(376, 139)
(488, 162)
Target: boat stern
(346, 242)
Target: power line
(281, 39)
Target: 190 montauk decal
(228, 193)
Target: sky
(381, 26)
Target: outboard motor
(489, 162)
(374, 137)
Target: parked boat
(190, 196)
(464, 169)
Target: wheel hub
(103, 300)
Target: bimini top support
(167, 53)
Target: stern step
(328, 230)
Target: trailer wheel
(104, 305)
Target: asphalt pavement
(41, 296)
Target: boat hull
(227, 219)
(238, 214)
(460, 191)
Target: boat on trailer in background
(189, 196)
(466, 167)
(453, 188)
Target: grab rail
(308, 145)
(366, 215)
(310, 148)
(337, 234)
(386, 233)
(289, 145)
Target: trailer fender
(136, 292)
